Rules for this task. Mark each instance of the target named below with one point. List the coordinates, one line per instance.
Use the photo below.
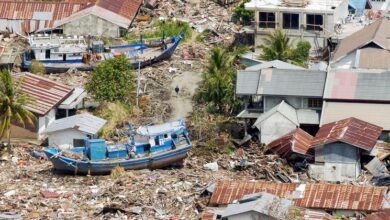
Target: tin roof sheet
(352, 131)
(317, 196)
(376, 33)
(45, 94)
(82, 122)
(360, 85)
(297, 141)
(278, 64)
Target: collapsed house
(96, 18)
(46, 97)
(332, 198)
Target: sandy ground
(187, 82)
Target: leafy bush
(37, 67)
(116, 114)
(112, 80)
(245, 16)
(170, 28)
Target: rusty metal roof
(45, 93)
(124, 8)
(383, 215)
(317, 196)
(297, 141)
(352, 131)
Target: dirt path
(187, 82)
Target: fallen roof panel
(297, 141)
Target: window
(266, 20)
(47, 54)
(315, 103)
(290, 21)
(78, 142)
(314, 22)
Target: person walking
(177, 90)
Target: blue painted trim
(61, 61)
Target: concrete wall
(91, 25)
(250, 216)
(44, 121)
(274, 127)
(64, 139)
(340, 13)
(348, 62)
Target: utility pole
(138, 80)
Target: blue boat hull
(160, 160)
(61, 67)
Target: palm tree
(277, 46)
(12, 102)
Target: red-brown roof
(45, 94)
(124, 8)
(351, 131)
(316, 196)
(297, 141)
(383, 215)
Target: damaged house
(281, 100)
(310, 20)
(95, 17)
(338, 147)
(46, 98)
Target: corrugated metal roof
(297, 141)
(83, 122)
(124, 8)
(310, 214)
(45, 94)
(278, 64)
(377, 114)
(357, 85)
(283, 108)
(377, 32)
(247, 82)
(309, 83)
(352, 131)
(316, 196)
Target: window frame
(290, 27)
(314, 103)
(314, 26)
(267, 23)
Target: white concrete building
(71, 131)
(314, 20)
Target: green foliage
(277, 46)
(170, 28)
(12, 102)
(116, 115)
(200, 37)
(240, 13)
(37, 67)
(112, 80)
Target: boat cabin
(53, 48)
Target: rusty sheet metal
(351, 131)
(383, 215)
(227, 191)
(24, 12)
(124, 8)
(317, 196)
(45, 93)
(347, 197)
(297, 141)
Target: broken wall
(91, 25)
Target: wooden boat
(59, 54)
(157, 146)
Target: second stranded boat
(60, 54)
